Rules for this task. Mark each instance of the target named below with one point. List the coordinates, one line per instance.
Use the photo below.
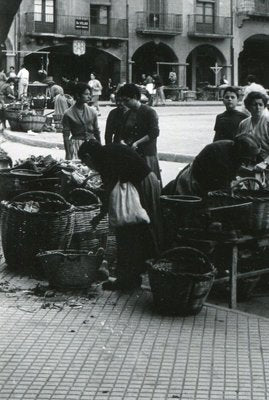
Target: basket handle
(245, 180)
(186, 249)
(50, 195)
(86, 179)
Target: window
(155, 11)
(99, 15)
(44, 10)
(205, 12)
(38, 10)
(205, 16)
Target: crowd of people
(129, 155)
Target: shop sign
(79, 47)
(82, 24)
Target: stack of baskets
(25, 234)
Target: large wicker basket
(86, 237)
(24, 234)
(180, 280)
(33, 123)
(70, 268)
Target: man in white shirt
(23, 76)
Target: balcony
(209, 26)
(72, 26)
(159, 24)
(253, 8)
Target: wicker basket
(70, 268)
(180, 280)
(33, 123)
(13, 119)
(24, 234)
(85, 237)
(257, 219)
(194, 214)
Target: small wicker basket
(70, 269)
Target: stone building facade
(123, 39)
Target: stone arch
(199, 60)
(62, 62)
(145, 60)
(254, 59)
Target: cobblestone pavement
(103, 345)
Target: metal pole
(231, 42)
(127, 44)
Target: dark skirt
(153, 163)
(137, 243)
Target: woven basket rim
(208, 274)
(244, 195)
(9, 206)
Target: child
(226, 125)
(2, 112)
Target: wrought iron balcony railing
(169, 24)
(74, 26)
(253, 7)
(208, 25)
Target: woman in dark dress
(140, 127)
(135, 243)
(215, 166)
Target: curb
(18, 137)
(15, 137)
(176, 103)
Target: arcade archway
(254, 59)
(200, 60)
(145, 60)
(63, 63)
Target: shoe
(119, 285)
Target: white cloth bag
(125, 207)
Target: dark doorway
(254, 59)
(206, 57)
(63, 63)
(146, 57)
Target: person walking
(23, 76)
(79, 121)
(96, 89)
(159, 96)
